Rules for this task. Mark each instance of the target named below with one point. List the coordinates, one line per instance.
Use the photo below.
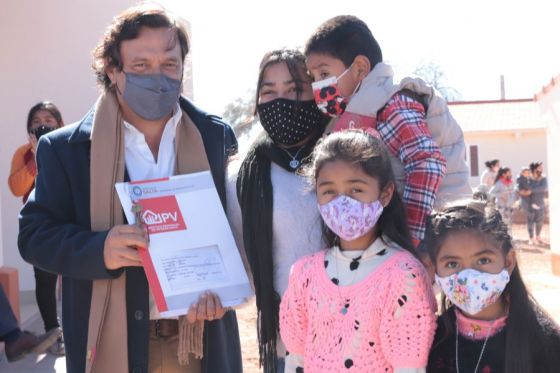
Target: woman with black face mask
(272, 211)
(539, 190)
(42, 118)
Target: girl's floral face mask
(472, 290)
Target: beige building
(512, 131)
(46, 55)
(549, 103)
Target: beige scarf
(107, 347)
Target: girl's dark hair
(369, 153)
(294, 60)
(127, 26)
(345, 38)
(492, 163)
(525, 337)
(501, 172)
(47, 106)
(534, 165)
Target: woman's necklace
(481, 351)
(294, 163)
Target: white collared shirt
(141, 165)
(138, 157)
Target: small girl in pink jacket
(365, 304)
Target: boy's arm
(402, 126)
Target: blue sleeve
(49, 237)
(230, 141)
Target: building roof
(497, 116)
(545, 89)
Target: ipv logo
(151, 217)
(162, 214)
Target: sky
(474, 42)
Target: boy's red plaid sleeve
(402, 126)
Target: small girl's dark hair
(525, 337)
(501, 172)
(47, 106)
(369, 153)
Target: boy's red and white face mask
(328, 97)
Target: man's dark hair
(127, 26)
(345, 37)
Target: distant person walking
(42, 118)
(523, 187)
(539, 190)
(488, 177)
(523, 190)
(503, 195)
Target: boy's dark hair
(369, 153)
(127, 26)
(345, 37)
(47, 106)
(526, 337)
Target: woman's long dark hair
(46, 106)
(359, 148)
(491, 163)
(524, 334)
(255, 195)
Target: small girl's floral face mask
(472, 290)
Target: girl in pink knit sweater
(364, 304)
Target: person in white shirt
(488, 177)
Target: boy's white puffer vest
(376, 90)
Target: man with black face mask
(139, 128)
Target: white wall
(45, 54)
(550, 106)
(514, 150)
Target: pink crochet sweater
(389, 323)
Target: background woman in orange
(42, 118)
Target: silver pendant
(294, 163)
(343, 310)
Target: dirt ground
(534, 261)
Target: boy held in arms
(425, 143)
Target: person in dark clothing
(539, 189)
(489, 321)
(73, 223)
(42, 118)
(18, 343)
